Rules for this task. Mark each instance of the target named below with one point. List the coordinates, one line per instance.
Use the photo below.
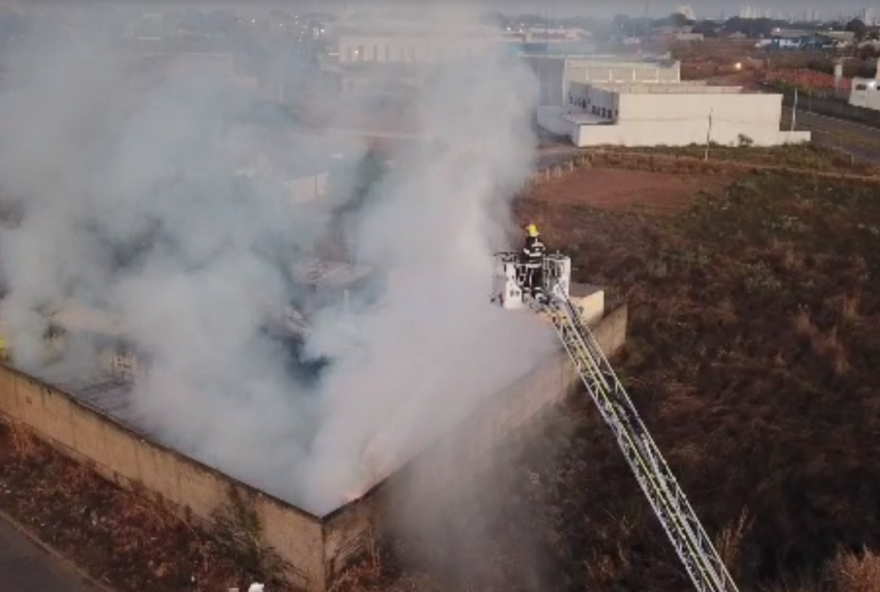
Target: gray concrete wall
(318, 550)
(696, 106)
(834, 108)
(465, 451)
(127, 459)
(683, 133)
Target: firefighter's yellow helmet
(532, 230)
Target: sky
(563, 8)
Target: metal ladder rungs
(679, 521)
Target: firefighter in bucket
(533, 264)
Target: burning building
(92, 418)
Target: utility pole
(794, 108)
(708, 136)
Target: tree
(858, 28)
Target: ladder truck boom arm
(668, 501)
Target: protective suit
(533, 263)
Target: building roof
(327, 274)
(575, 84)
(82, 319)
(418, 30)
(586, 119)
(605, 60)
(670, 88)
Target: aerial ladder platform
(667, 499)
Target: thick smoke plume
(122, 175)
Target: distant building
(795, 39)
(414, 44)
(677, 114)
(865, 91)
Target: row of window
(604, 112)
(403, 54)
(585, 104)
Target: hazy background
(562, 8)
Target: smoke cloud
(122, 169)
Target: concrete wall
(835, 108)
(129, 460)
(683, 118)
(689, 106)
(598, 70)
(585, 70)
(433, 476)
(866, 99)
(675, 102)
(550, 119)
(557, 73)
(307, 188)
(592, 99)
(550, 73)
(683, 133)
(318, 549)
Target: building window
(375, 53)
(387, 53)
(350, 53)
(360, 53)
(412, 53)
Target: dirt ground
(611, 188)
(751, 355)
(117, 537)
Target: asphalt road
(860, 140)
(25, 567)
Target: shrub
(855, 572)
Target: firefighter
(533, 263)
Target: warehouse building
(414, 44)
(668, 115)
(556, 73)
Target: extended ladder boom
(659, 485)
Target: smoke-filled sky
(129, 205)
(561, 8)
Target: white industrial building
(556, 73)
(864, 91)
(659, 114)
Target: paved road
(860, 140)
(25, 567)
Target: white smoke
(100, 155)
